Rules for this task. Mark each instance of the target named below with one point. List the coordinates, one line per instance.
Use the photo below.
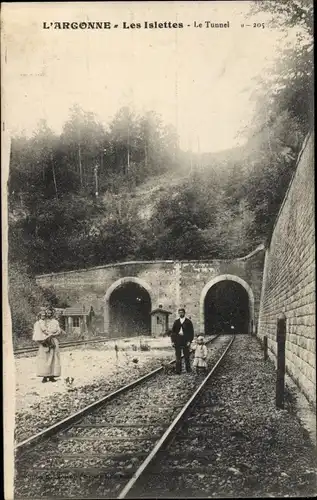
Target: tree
(83, 141)
(32, 169)
(151, 143)
(283, 112)
(177, 224)
(124, 139)
(171, 142)
(233, 233)
(289, 84)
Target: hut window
(76, 321)
(157, 319)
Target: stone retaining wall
(289, 276)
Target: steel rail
(170, 432)
(72, 343)
(68, 422)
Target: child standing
(200, 360)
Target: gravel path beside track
(246, 448)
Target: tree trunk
(54, 176)
(128, 158)
(145, 154)
(80, 165)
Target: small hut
(159, 321)
(75, 320)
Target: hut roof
(74, 311)
(159, 309)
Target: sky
(197, 79)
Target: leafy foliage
(221, 209)
(284, 110)
(25, 299)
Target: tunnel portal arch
(120, 311)
(222, 278)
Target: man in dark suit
(182, 335)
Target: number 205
(258, 25)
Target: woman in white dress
(200, 359)
(46, 329)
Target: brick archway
(114, 286)
(214, 281)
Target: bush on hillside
(25, 300)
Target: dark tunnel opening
(226, 308)
(130, 308)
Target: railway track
(105, 450)
(184, 464)
(73, 343)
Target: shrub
(25, 300)
(144, 347)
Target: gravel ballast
(128, 426)
(246, 448)
(96, 371)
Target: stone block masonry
(171, 284)
(289, 276)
